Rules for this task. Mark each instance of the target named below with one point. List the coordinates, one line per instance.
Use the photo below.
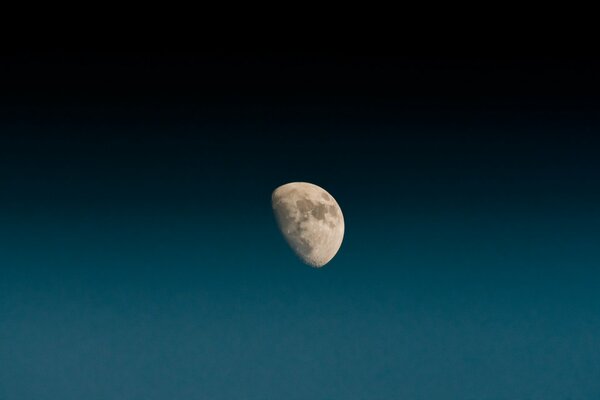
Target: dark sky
(139, 257)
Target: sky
(140, 258)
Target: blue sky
(139, 257)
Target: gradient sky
(139, 257)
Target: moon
(310, 220)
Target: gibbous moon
(310, 220)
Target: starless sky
(139, 257)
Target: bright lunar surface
(310, 220)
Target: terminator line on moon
(310, 220)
